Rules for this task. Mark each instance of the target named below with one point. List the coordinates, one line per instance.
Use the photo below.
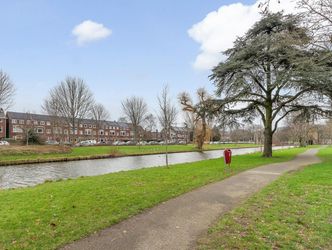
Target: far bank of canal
(33, 174)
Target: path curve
(177, 223)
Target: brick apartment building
(54, 128)
(15, 125)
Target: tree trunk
(166, 148)
(267, 142)
(201, 137)
(268, 134)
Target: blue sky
(149, 46)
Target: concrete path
(177, 223)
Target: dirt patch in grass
(34, 149)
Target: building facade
(55, 128)
(16, 125)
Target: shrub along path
(176, 224)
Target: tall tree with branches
(271, 72)
(72, 100)
(167, 116)
(202, 112)
(135, 109)
(7, 90)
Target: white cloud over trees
(219, 29)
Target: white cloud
(89, 31)
(219, 29)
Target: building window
(48, 123)
(101, 132)
(106, 133)
(42, 123)
(94, 126)
(123, 133)
(35, 122)
(112, 133)
(85, 125)
(81, 125)
(17, 129)
(0, 129)
(21, 121)
(14, 121)
(65, 131)
(90, 126)
(48, 131)
(40, 130)
(81, 132)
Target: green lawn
(294, 212)
(52, 214)
(17, 156)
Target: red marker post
(228, 157)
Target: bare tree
(167, 116)
(318, 17)
(72, 100)
(52, 108)
(202, 112)
(150, 122)
(7, 90)
(99, 114)
(135, 109)
(149, 126)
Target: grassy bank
(30, 154)
(294, 212)
(52, 214)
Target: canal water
(33, 174)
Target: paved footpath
(177, 223)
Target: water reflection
(33, 174)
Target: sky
(120, 48)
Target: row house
(55, 128)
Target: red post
(228, 156)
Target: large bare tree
(99, 114)
(202, 112)
(71, 100)
(7, 90)
(167, 116)
(135, 109)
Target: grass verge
(294, 212)
(53, 214)
(33, 154)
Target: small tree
(135, 109)
(167, 116)
(72, 100)
(7, 90)
(99, 114)
(149, 126)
